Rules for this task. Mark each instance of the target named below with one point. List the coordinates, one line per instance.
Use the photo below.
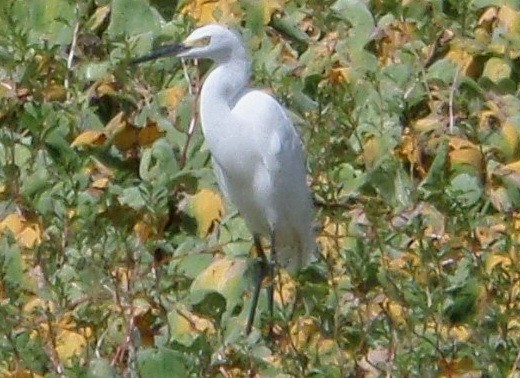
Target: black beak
(166, 50)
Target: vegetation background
(118, 257)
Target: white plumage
(257, 155)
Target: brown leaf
(149, 134)
(126, 137)
(54, 92)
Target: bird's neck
(221, 91)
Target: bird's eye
(201, 42)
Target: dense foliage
(118, 256)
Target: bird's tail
(294, 258)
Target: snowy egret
(257, 155)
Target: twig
(514, 369)
(187, 76)
(454, 87)
(50, 349)
(193, 90)
(70, 58)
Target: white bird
(257, 155)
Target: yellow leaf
(514, 166)
(208, 11)
(490, 233)
(55, 92)
(429, 123)
(462, 58)
(339, 75)
(285, 289)
(98, 17)
(303, 331)
(170, 97)
(510, 136)
(27, 234)
(391, 38)
(458, 367)
(14, 222)
(19, 372)
(186, 322)
(511, 171)
(487, 18)
(30, 236)
(515, 292)
(496, 259)
(372, 151)
(462, 151)
(270, 7)
(89, 138)
(332, 238)
(460, 332)
(116, 124)
(34, 306)
(69, 344)
(221, 275)
(123, 275)
(509, 19)
(144, 319)
(149, 134)
(143, 230)
(497, 69)
(396, 312)
(108, 86)
(500, 199)
(485, 25)
(207, 207)
(101, 183)
(411, 150)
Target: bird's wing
(220, 178)
(278, 142)
(281, 177)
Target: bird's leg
(261, 271)
(270, 289)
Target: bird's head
(214, 41)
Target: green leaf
(356, 12)
(132, 197)
(350, 179)
(46, 20)
(11, 263)
(208, 303)
(159, 163)
(131, 17)
(100, 368)
(161, 363)
(437, 172)
(467, 189)
(225, 277)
